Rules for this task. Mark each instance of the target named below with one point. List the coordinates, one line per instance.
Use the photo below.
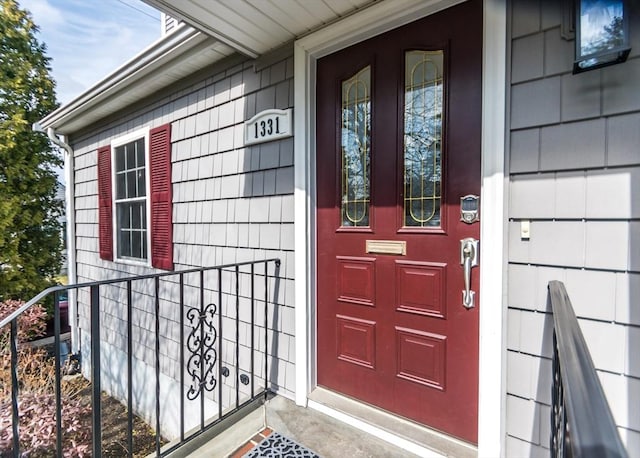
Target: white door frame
(372, 21)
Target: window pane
(356, 150)
(143, 216)
(121, 185)
(131, 155)
(137, 215)
(124, 243)
(136, 246)
(423, 138)
(119, 153)
(131, 184)
(124, 216)
(144, 244)
(140, 153)
(141, 183)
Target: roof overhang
(169, 59)
(222, 28)
(256, 27)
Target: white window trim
(374, 20)
(123, 140)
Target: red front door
(398, 129)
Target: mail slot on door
(469, 208)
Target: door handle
(468, 259)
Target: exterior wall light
(602, 33)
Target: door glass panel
(423, 138)
(356, 148)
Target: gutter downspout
(71, 228)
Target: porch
(223, 391)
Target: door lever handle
(468, 259)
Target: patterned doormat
(278, 446)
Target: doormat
(278, 446)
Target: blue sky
(88, 39)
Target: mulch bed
(37, 421)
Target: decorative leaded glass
(423, 138)
(356, 148)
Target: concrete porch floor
(328, 436)
(322, 434)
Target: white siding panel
(623, 394)
(607, 245)
(628, 298)
(532, 196)
(536, 333)
(559, 243)
(570, 195)
(610, 193)
(519, 374)
(524, 419)
(592, 293)
(607, 344)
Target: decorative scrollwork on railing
(201, 344)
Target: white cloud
(89, 39)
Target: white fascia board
(161, 52)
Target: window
(134, 179)
(356, 148)
(423, 115)
(131, 199)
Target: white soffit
(254, 27)
(169, 59)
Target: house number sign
(268, 125)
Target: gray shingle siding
(231, 203)
(574, 161)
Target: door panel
(398, 145)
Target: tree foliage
(30, 242)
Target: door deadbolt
(469, 205)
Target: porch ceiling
(254, 27)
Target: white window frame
(129, 138)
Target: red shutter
(105, 218)
(161, 224)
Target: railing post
(95, 369)
(201, 349)
(56, 343)
(157, 330)
(253, 331)
(266, 327)
(129, 369)
(219, 343)
(14, 387)
(182, 344)
(237, 336)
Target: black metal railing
(210, 301)
(581, 422)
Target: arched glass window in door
(356, 149)
(423, 115)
